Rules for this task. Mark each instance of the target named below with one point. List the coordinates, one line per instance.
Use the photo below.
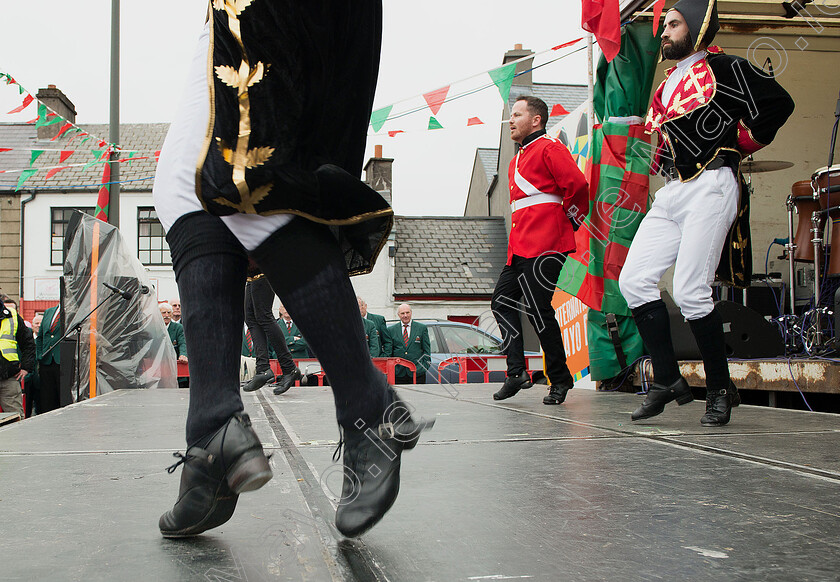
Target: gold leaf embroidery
(258, 156)
(247, 206)
(228, 75)
(225, 149)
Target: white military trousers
(687, 225)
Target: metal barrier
(485, 365)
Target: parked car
(452, 338)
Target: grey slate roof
(569, 96)
(490, 161)
(146, 137)
(448, 255)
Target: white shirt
(678, 75)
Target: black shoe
(556, 395)
(734, 395)
(512, 385)
(658, 396)
(259, 380)
(286, 380)
(372, 467)
(232, 462)
(718, 407)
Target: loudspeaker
(747, 334)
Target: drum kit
(814, 201)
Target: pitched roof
(136, 177)
(569, 96)
(489, 158)
(448, 255)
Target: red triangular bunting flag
(31, 121)
(436, 98)
(570, 43)
(558, 110)
(474, 121)
(395, 132)
(65, 154)
(61, 131)
(5, 149)
(26, 101)
(54, 171)
(657, 13)
(157, 156)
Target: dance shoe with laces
(229, 462)
(719, 405)
(286, 380)
(372, 467)
(658, 396)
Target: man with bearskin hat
(712, 110)
(263, 161)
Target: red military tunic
(545, 185)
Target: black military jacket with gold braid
(291, 96)
(724, 104)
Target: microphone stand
(77, 328)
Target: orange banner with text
(571, 313)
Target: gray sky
(426, 45)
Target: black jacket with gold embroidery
(724, 103)
(291, 92)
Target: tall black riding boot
(303, 262)
(224, 456)
(721, 394)
(655, 328)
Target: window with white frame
(59, 217)
(152, 248)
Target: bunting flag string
(500, 77)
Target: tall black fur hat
(701, 16)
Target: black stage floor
(497, 491)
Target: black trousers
(421, 379)
(259, 297)
(527, 285)
(49, 396)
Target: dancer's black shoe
(512, 385)
(372, 467)
(286, 380)
(658, 396)
(719, 405)
(231, 462)
(556, 394)
(259, 380)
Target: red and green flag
(104, 198)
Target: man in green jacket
(410, 341)
(381, 328)
(178, 339)
(294, 339)
(49, 359)
(371, 333)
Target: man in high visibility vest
(17, 356)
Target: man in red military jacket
(549, 198)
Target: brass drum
(821, 180)
(805, 203)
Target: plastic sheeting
(124, 342)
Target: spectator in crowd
(371, 333)
(32, 382)
(48, 355)
(17, 356)
(178, 339)
(410, 340)
(176, 310)
(294, 339)
(381, 327)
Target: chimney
(58, 102)
(517, 53)
(378, 173)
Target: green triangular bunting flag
(503, 79)
(34, 156)
(434, 123)
(378, 117)
(24, 176)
